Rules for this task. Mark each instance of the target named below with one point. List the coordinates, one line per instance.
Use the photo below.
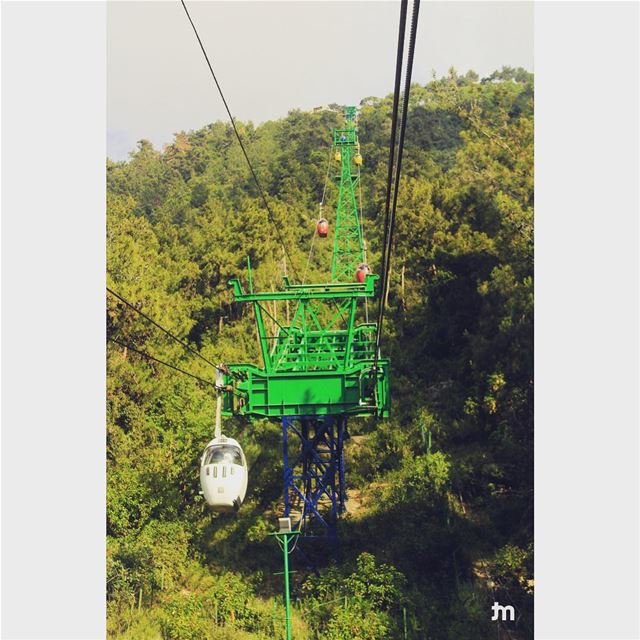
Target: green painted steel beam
(356, 392)
(309, 292)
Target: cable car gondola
(362, 272)
(322, 228)
(223, 474)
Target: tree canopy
(440, 520)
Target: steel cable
(235, 129)
(166, 364)
(157, 324)
(390, 173)
(403, 126)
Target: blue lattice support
(314, 476)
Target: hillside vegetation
(436, 532)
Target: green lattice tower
(317, 360)
(319, 365)
(348, 246)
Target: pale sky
(271, 57)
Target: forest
(440, 516)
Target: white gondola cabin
(223, 474)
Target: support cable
(235, 129)
(392, 144)
(171, 335)
(326, 179)
(306, 269)
(219, 385)
(364, 242)
(144, 354)
(313, 239)
(403, 126)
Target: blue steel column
(333, 448)
(315, 472)
(342, 435)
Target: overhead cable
(157, 324)
(166, 364)
(392, 217)
(394, 128)
(235, 129)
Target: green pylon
(318, 357)
(348, 248)
(285, 537)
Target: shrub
(513, 566)
(358, 621)
(364, 603)
(186, 618)
(227, 601)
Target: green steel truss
(317, 360)
(348, 246)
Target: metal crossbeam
(328, 291)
